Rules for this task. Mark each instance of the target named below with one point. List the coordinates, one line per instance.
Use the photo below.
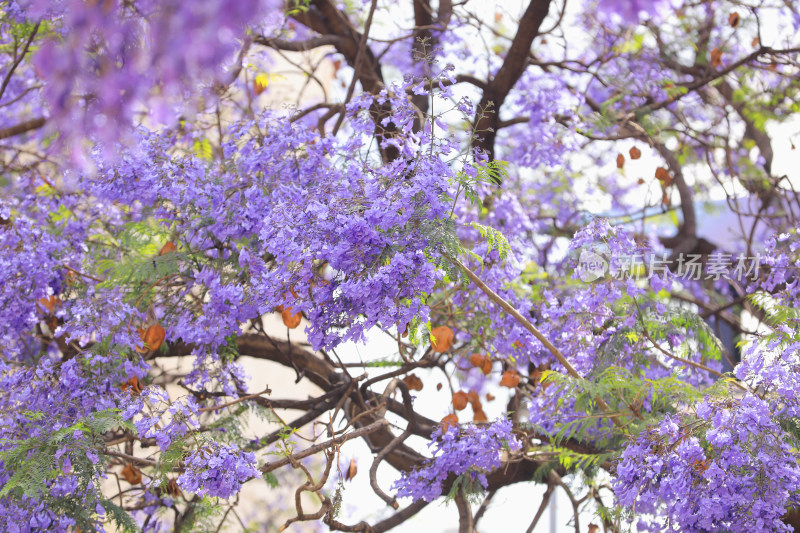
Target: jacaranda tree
(515, 194)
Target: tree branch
(488, 118)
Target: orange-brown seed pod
(487, 366)
(460, 400)
(153, 337)
(449, 421)
(510, 379)
(291, 320)
(476, 359)
(441, 339)
(352, 470)
(167, 248)
(133, 385)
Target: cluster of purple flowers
(256, 229)
(217, 470)
(167, 421)
(471, 450)
(134, 51)
(730, 467)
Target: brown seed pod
(510, 379)
(291, 320)
(441, 338)
(167, 248)
(134, 385)
(449, 421)
(153, 337)
(173, 489)
(258, 87)
(474, 400)
(460, 400)
(476, 359)
(487, 366)
(716, 57)
(49, 304)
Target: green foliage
(33, 464)
(169, 459)
(297, 7)
(572, 460)
(139, 262)
(31, 459)
(201, 516)
(494, 238)
(625, 393)
(468, 487)
(271, 479)
(775, 313)
(119, 516)
(493, 173)
(678, 319)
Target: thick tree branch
(299, 46)
(488, 118)
(22, 127)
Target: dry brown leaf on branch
(131, 474)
